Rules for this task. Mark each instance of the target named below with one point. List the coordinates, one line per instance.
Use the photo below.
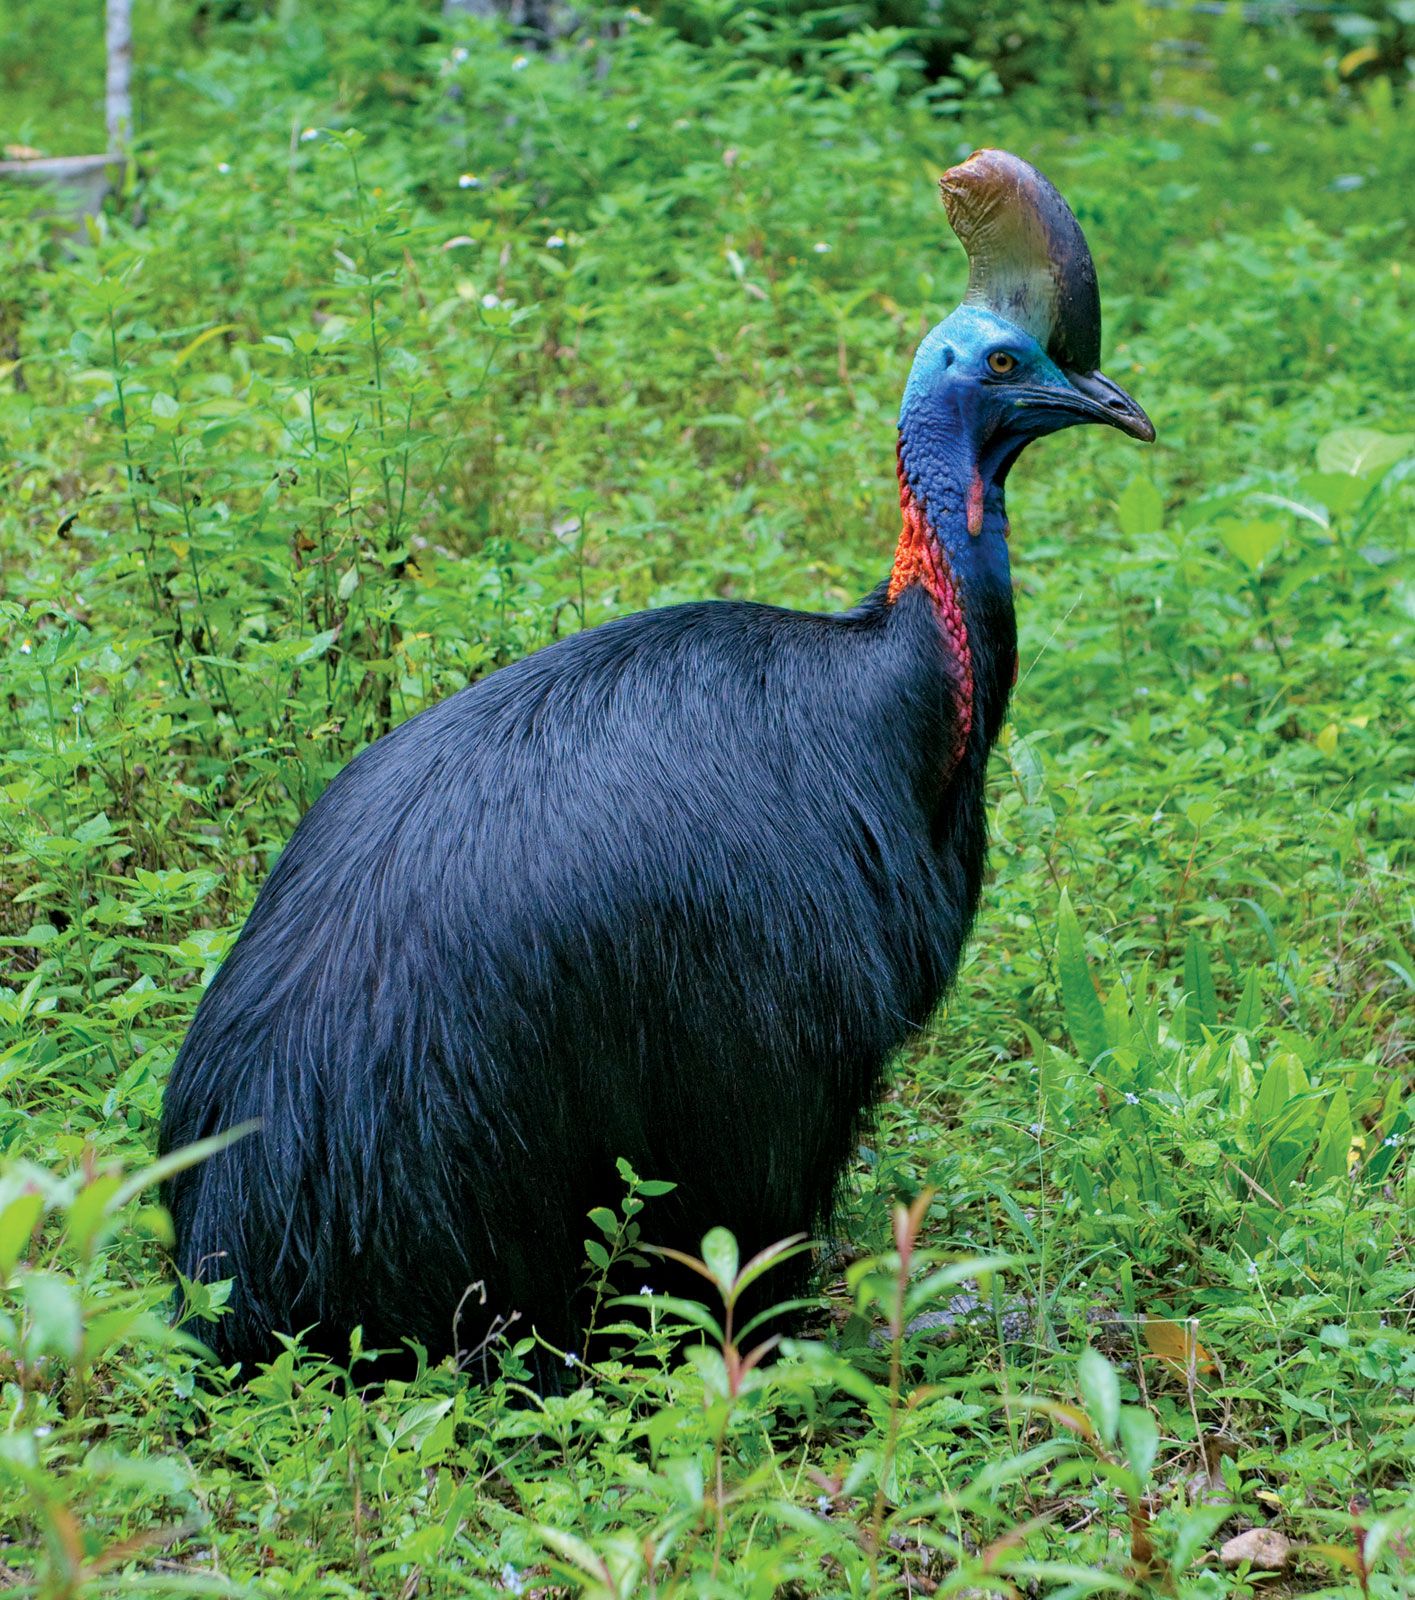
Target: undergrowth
(406, 349)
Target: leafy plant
(407, 346)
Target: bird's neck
(953, 544)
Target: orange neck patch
(919, 558)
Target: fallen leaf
(1177, 1345)
(1339, 1556)
(1264, 1549)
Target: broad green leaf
(1085, 1016)
(1140, 1436)
(1317, 514)
(1202, 1010)
(1283, 1081)
(1254, 542)
(1140, 508)
(1334, 1141)
(17, 1224)
(92, 1211)
(720, 1258)
(1361, 452)
(1100, 1391)
(53, 1304)
(1116, 1011)
(1249, 1018)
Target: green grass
(317, 426)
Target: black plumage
(665, 890)
(673, 890)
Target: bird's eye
(1001, 362)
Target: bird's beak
(1094, 398)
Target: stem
(211, 667)
(383, 703)
(323, 539)
(78, 880)
(1268, 621)
(144, 538)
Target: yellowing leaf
(1354, 60)
(1072, 1418)
(1176, 1344)
(207, 334)
(1327, 738)
(1338, 1555)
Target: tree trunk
(118, 98)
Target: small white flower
(1036, 1130)
(822, 1502)
(308, 134)
(43, 1431)
(520, 63)
(223, 166)
(469, 180)
(512, 1580)
(460, 53)
(77, 708)
(821, 248)
(1390, 1142)
(1132, 1099)
(26, 647)
(1252, 1269)
(571, 1359)
(555, 242)
(645, 1289)
(491, 301)
(634, 124)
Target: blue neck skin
(942, 455)
(953, 429)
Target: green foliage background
(407, 347)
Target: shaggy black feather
(674, 889)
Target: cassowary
(672, 890)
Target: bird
(673, 891)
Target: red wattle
(975, 504)
(919, 558)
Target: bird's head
(1021, 356)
